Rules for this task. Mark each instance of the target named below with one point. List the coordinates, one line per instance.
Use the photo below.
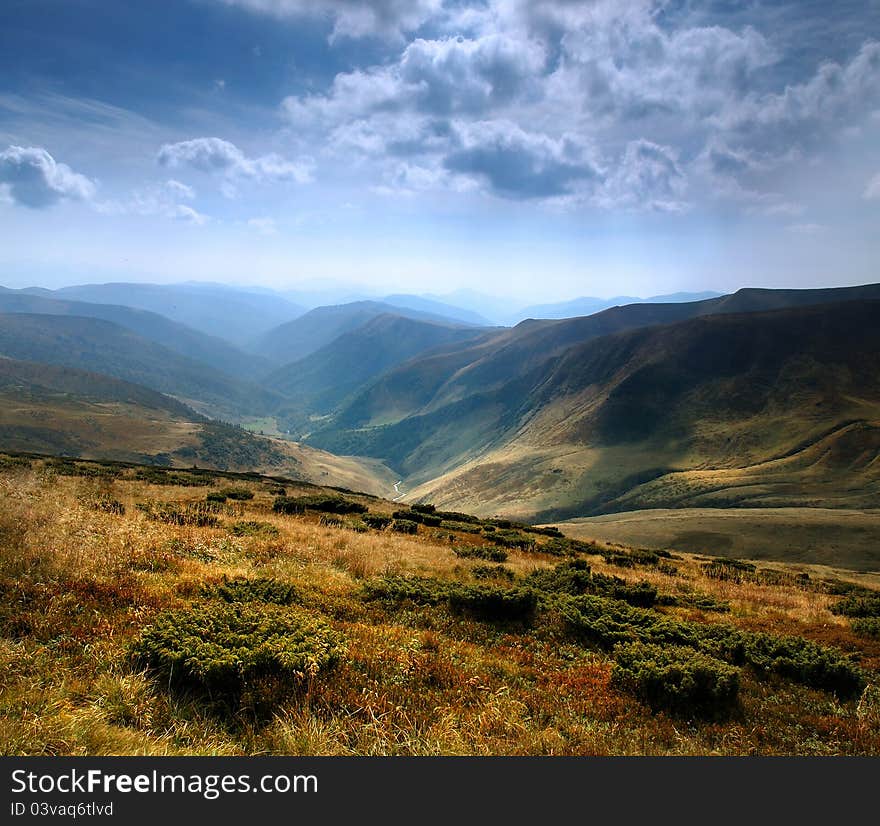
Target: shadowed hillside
(103, 347)
(320, 381)
(317, 328)
(183, 340)
(578, 432)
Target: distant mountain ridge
(309, 333)
(213, 351)
(100, 346)
(236, 315)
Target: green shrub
(859, 604)
(512, 539)
(463, 527)
(261, 589)
(216, 496)
(326, 504)
(238, 653)
(867, 627)
(575, 578)
(195, 514)
(493, 604)
(492, 572)
(288, 505)
(490, 554)
(252, 527)
(424, 508)
(239, 494)
(376, 521)
(157, 476)
(455, 516)
(404, 526)
(480, 601)
(418, 516)
(277, 490)
(679, 679)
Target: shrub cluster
(239, 494)
(575, 578)
(608, 622)
(861, 604)
(239, 653)
(195, 514)
(252, 527)
(322, 503)
(261, 589)
(492, 572)
(158, 476)
(404, 526)
(490, 554)
(288, 505)
(376, 521)
(480, 601)
(676, 678)
(414, 515)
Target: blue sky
(541, 149)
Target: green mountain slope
(323, 379)
(317, 328)
(103, 347)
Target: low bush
(483, 602)
(252, 527)
(675, 678)
(247, 654)
(239, 494)
(867, 627)
(424, 508)
(261, 589)
(513, 539)
(404, 526)
(288, 505)
(575, 578)
(376, 521)
(489, 554)
(216, 496)
(324, 504)
(498, 572)
(462, 527)
(417, 516)
(859, 604)
(608, 622)
(194, 514)
(157, 476)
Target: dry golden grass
(77, 584)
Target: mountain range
(760, 398)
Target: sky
(540, 149)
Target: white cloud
(215, 155)
(33, 178)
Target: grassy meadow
(167, 612)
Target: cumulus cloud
(215, 155)
(620, 105)
(518, 164)
(33, 178)
(351, 18)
